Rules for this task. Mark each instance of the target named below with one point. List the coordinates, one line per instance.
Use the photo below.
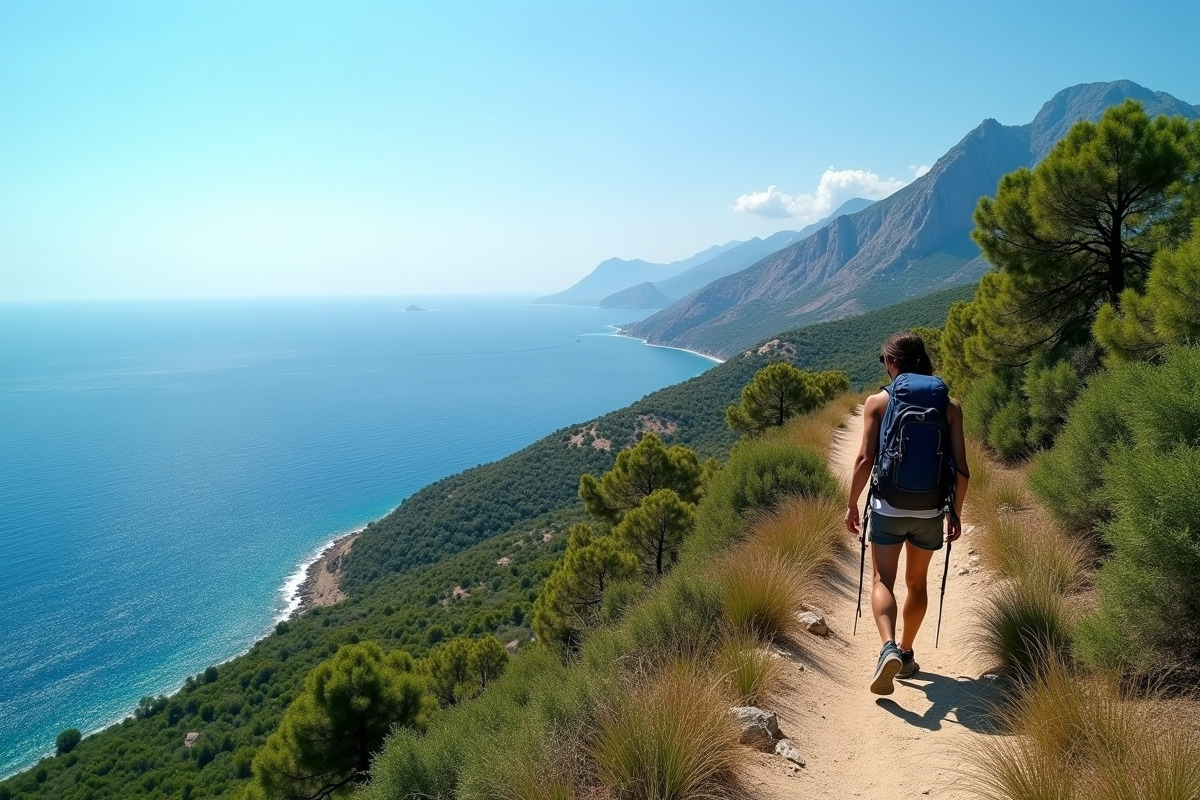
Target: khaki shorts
(923, 533)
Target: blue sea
(166, 469)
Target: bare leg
(885, 559)
(916, 600)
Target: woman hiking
(914, 456)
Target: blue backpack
(914, 468)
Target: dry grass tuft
(762, 593)
(1003, 493)
(1029, 549)
(1014, 769)
(816, 429)
(670, 738)
(1023, 626)
(1080, 738)
(982, 470)
(750, 673)
(805, 532)
(532, 775)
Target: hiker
(915, 459)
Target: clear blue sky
(170, 148)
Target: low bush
(1149, 590)
(1050, 391)
(759, 473)
(1134, 405)
(683, 619)
(996, 412)
(807, 533)
(536, 695)
(750, 673)
(526, 764)
(1006, 431)
(669, 738)
(762, 593)
(1021, 626)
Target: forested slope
(457, 511)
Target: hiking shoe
(889, 664)
(909, 665)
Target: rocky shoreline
(322, 584)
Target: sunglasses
(882, 360)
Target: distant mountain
(748, 253)
(644, 295)
(616, 274)
(914, 242)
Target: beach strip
(321, 584)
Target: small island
(415, 308)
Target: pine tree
(571, 598)
(1081, 228)
(329, 733)
(655, 530)
(779, 392)
(449, 666)
(1168, 313)
(488, 660)
(640, 471)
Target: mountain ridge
(617, 274)
(915, 241)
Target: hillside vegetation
(493, 533)
(1079, 363)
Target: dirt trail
(912, 743)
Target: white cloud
(835, 187)
(918, 169)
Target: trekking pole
(942, 597)
(862, 559)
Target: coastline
(317, 582)
(623, 335)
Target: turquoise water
(164, 468)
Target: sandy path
(857, 744)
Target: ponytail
(907, 351)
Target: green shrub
(536, 694)
(1006, 430)
(1022, 626)
(1155, 408)
(619, 597)
(1050, 391)
(683, 619)
(1068, 479)
(762, 593)
(985, 399)
(1149, 591)
(526, 766)
(759, 474)
(67, 740)
(414, 766)
(669, 739)
(750, 672)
